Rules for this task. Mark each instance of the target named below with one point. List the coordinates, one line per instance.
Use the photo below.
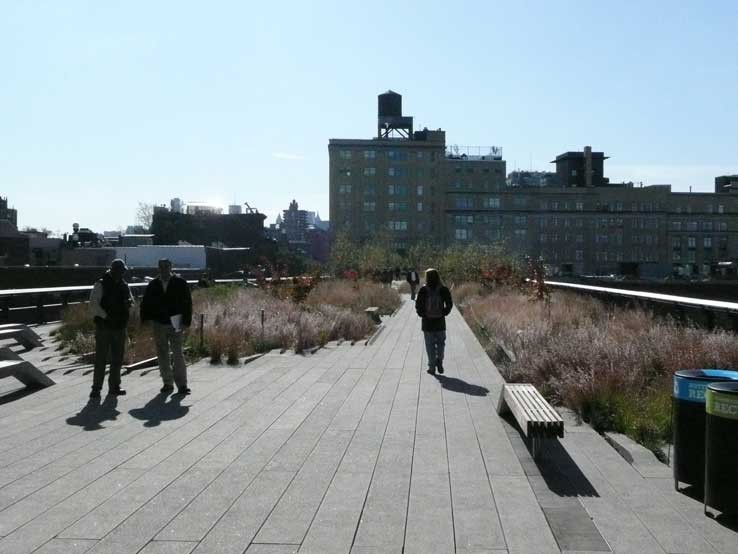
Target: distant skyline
(104, 106)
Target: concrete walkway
(354, 449)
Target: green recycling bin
(688, 401)
(721, 448)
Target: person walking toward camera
(167, 303)
(110, 302)
(433, 304)
(413, 280)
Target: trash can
(721, 448)
(688, 401)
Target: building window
(368, 171)
(520, 233)
(579, 238)
(579, 255)
(543, 237)
(419, 190)
(554, 205)
(544, 205)
(580, 206)
(707, 243)
(345, 172)
(676, 243)
(721, 226)
(344, 154)
(707, 225)
(676, 225)
(370, 154)
(462, 234)
(398, 155)
(397, 206)
(344, 189)
(676, 256)
(419, 155)
(397, 190)
(370, 189)
(691, 226)
(491, 202)
(521, 220)
(419, 206)
(519, 202)
(397, 225)
(464, 203)
(370, 206)
(396, 172)
(721, 209)
(691, 243)
(463, 219)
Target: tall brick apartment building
(421, 189)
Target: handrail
(83, 288)
(653, 296)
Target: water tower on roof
(390, 121)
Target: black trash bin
(721, 448)
(688, 402)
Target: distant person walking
(110, 302)
(168, 305)
(413, 279)
(433, 304)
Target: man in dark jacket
(413, 280)
(168, 305)
(433, 305)
(110, 302)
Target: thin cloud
(288, 156)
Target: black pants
(413, 288)
(108, 342)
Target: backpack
(433, 303)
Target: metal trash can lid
(721, 400)
(690, 384)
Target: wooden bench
(537, 418)
(23, 335)
(373, 313)
(12, 365)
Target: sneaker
(439, 366)
(95, 394)
(117, 392)
(430, 371)
(166, 389)
(184, 391)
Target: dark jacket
(409, 278)
(160, 306)
(116, 301)
(435, 324)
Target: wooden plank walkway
(354, 449)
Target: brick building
(418, 188)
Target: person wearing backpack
(413, 280)
(433, 304)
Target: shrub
(354, 295)
(613, 366)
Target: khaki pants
(168, 340)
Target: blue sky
(104, 105)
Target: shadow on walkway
(158, 409)
(91, 416)
(457, 385)
(559, 471)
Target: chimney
(588, 166)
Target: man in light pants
(168, 305)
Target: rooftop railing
(474, 153)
